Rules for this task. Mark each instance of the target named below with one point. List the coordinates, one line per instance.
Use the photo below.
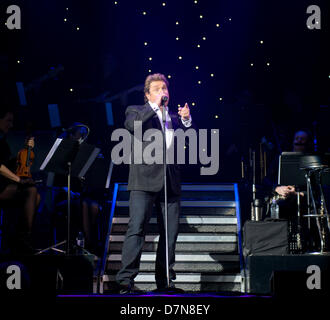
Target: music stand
(290, 173)
(99, 175)
(68, 157)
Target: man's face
(300, 141)
(157, 90)
(6, 122)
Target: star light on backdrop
(192, 34)
(154, 50)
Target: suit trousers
(140, 210)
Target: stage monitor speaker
(288, 275)
(265, 237)
(49, 275)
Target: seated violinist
(15, 190)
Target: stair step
(184, 261)
(207, 187)
(206, 211)
(186, 211)
(182, 257)
(187, 224)
(195, 204)
(196, 191)
(191, 220)
(223, 267)
(187, 287)
(191, 238)
(122, 187)
(184, 278)
(183, 228)
(187, 247)
(219, 267)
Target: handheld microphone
(164, 99)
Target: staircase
(208, 247)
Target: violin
(25, 159)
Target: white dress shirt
(169, 133)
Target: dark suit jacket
(149, 177)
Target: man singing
(146, 185)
